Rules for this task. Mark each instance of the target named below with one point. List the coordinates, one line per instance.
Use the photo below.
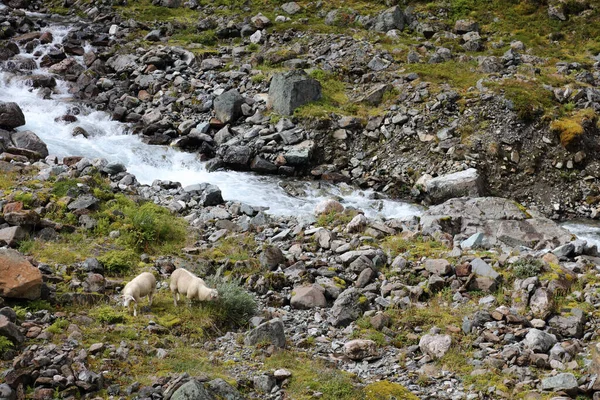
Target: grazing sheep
(142, 285)
(194, 288)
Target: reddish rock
(46, 38)
(327, 206)
(22, 218)
(13, 207)
(71, 160)
(144, 95)
(18, 278)
(463, 269)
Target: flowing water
(112, 141)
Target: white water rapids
(111, 140)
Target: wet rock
(18, 278)
(306, 297)
(206, 194)
(359, 349)
(11, 115)
(357, 224)
(271, 332)
(436, 346)
(263, 166)
(237, 156)
(291, 90)
(228, 106)
(459, 184)
(30, 141)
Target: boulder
(18, 278)
(438, 266)
(11, 115)
(392, 18)
(83, 202)
(192, 390)
(263, 166)
(223, 390)
(122, 63)
(270, 332)
(238, 156)
(564, 381)
(541, 303)
(348, 307)
(539, 341)
(459, 184)
(571, 326)
(10, 331)
(306, 297)
(205, 193)
(359, 349)
(463, 26)
(328, 206)
(22, 218)
(481, 268)
(228, 106)
(271, 257)
(501, 221)
(291, 7)
(291, 90)
(435, 346)
(12, 236)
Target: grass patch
(414, 248)
(119, 261)
(530, 100)
(571, 128)
(461, 76)
(58, 326)
(332, 218)
(145, 11)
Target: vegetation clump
(571, 128)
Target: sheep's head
(214, 295)
(128, 299)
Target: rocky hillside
(444, 103)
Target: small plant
(108, 315)
(5, 344)
(118, 261)
(27, 199)
(58, 326)
(253, 47)
(235, 306)
(571, 128)
(62, 187)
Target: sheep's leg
(150, 298)
(135, 309)
(175, 296)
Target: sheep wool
(142, 285)
(194, 288)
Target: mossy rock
(385, 390)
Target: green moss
(58, 326)
(60, 188)
(461, 76)
(385, 390)
(5, 344)
(109, 315)
(415, 248)
(119, 261)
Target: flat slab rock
(501, 221)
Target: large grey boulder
(568, 326)
(502, 222)
(11, 115)
(30, 141)
(291, 90)
(238, 156)
(270, 332)
(564, 381)
(435, 346)
(271, 257)
(10, 330)
(539, 341)
(464, 183)
(123, 62)
(392, 18)
(348, 307)
(206, 194)
(228, 106)
(224, 390)
(192, 390)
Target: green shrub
(235, 306)
(108, 315)
(118, 261)
(37, 305)
(58, 326)
(62, 187)
(523, 269)
(26, 198)
(5, 344)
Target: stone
(10, 331)
(263, 166)
(12, 236)
(306, 297)
(291, 7)
(271, 257)
(238, 156)
(380, 321)
(192, 390)
(357, 224)
(281, 374)
(392, 18)
(459, 184)
(228, 106)
(299, 154)
(564, 381)
(568, 326)
(22, 218)
(348, 307)
(264, 383)
(11, 115)
(541, 303)
(7, 393)
(539, 341)
(223, 390)
(365, 277)
(291, 90)
(271, 332)
(359, 349)
(481, 268)
(435, 346)
(18, 278)
(85, 202)
(328, 206)
(473, 241)
(378, 64)
(438, 266)
(463, 26)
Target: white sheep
(142, 285)
(194, 288)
